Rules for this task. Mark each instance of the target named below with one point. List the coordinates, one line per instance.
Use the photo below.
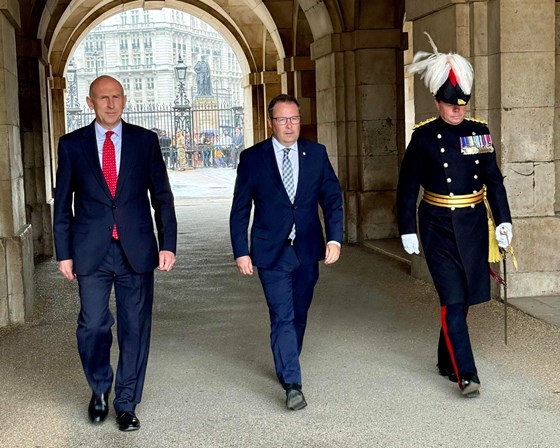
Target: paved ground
(368, 362)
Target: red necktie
(109, 167)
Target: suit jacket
(259, 183)
(84, 211)
(455, 242)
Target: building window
(134, 16)
(135, 42)
(123, 19)
(136, 59)
(150, 83)
(148, 43)
(124, 60)
(138, 83)
(149, 59)
(126, 84)
(123, 43)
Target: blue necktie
(288, 179)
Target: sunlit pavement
(208, 183)
(368, 362)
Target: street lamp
(182, 108)
(181, 73)
(73, 108)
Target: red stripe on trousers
(448, 342)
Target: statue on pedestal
(203, 77)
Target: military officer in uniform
(452, 158)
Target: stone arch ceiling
(246, 24)
(260, 31)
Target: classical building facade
(142, 48)
(344, 60)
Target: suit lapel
(272, 167)
(91, 154)
(126, 152)
(303, 160)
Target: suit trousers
(133, 299)
(288, 289)
(454, 348)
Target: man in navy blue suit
(286, 179)
(109, 173)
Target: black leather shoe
(448, 372)
(470, 385)
(128, 421)
(294, 397)
(98, 407)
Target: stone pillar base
(16, 277)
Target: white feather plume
(434, 68)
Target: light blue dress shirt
(100, 132)
(293, 156)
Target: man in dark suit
(453, 159)
(286, 179)
(108, 174)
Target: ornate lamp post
(182, 107)
(73, 109)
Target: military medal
(476, 144)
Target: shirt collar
(279, 147)
(100, 131)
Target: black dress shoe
(294, 397)
(448, 372)
(470, 385)
(128, 421)
(98, 407)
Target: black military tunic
(455, 242)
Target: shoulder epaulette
(422, 123)
(477, 120)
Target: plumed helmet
(449, 77)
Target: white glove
(410, 243)
(504, 235)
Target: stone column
(35, 142)
(57, 86)
(16, 243)
(522, 114)
(360, 119)
(298, 79)
(264, 86)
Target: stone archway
(342, 59)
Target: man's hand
(166, 260)
(66, 268)
(244, 265)
(332, 253)
(410, 243)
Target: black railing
(207, 132)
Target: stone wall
(512, 50)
